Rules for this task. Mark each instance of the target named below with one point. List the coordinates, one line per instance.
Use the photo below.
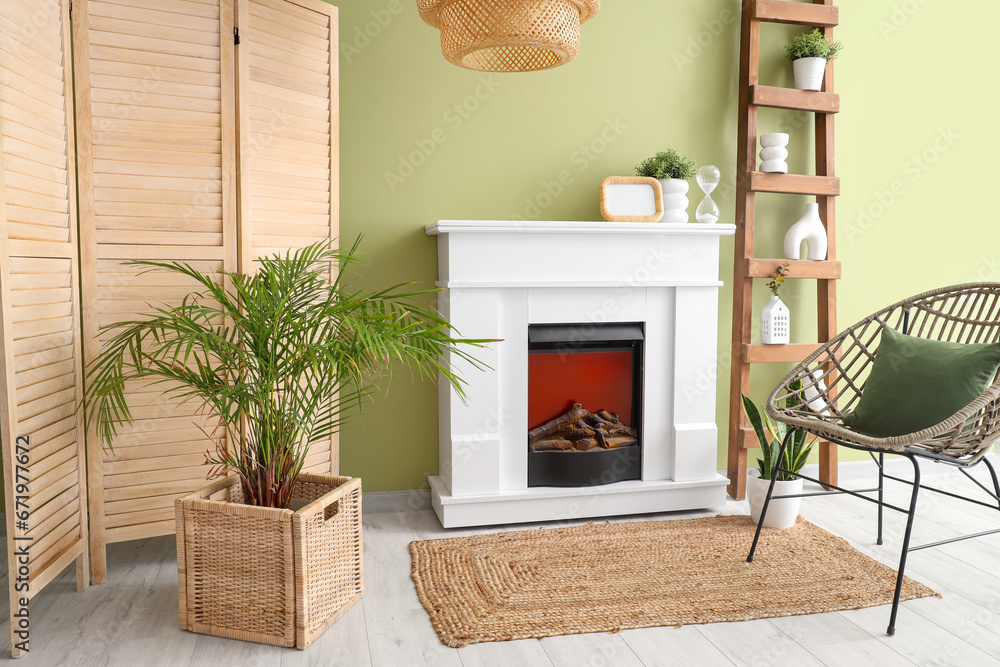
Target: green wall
(422, 140)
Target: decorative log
(575, 415)
(580, 430)
(554, 444)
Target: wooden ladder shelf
(825, 186)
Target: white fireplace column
(501, 276)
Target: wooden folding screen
(172, 129)
(156, 132)
(41, 379)
(207, 133)
(287, 117)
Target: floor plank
(504, 654)
(674, 647)
(132, 620)
(758, 642)
(597, 648)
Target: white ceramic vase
(773, 153)
(781, 513)
(810, 229)
(675, 201)
(815, 392)
(775, 322)
(809, 73)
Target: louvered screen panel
(288, 116)
(156, 118)
(162, 453)
(46, 364)
(39, 327)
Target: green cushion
(916, 383)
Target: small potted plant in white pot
(274, 359)
(809, 54)
(672, 170)
(781, 512)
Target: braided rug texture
(607, 577)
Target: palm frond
(280, 357)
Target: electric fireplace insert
(584, 404)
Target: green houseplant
(672, 170)
(809, 53)
(781, 512)
(275, 357)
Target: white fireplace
(499, 277)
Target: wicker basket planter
(269, 575)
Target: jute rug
(606, 577)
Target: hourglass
(708, 178)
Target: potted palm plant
(672, 170)
(275, 358)
(809, 53)
(781, 513)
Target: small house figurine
(775, 319)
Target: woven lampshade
(508, 35)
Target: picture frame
(631, 199)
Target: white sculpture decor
(775, 320)
(773, 153)
(708, 178)
(675, 201)
(810, 229)
(814, 393)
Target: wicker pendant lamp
(508, 35)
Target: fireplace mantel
(499, 277)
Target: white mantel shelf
(577, 227)
(500, 276)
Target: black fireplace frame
(593, 467)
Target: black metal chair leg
(993, 476)
(881, 482)
(770, 490)
(906, 545)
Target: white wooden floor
(132, 621)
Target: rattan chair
(833, 379)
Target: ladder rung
(797, 268)
(796, 184)
(772, 354)
(748, 439)
(801, 13)
(790, 98)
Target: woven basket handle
(329, 504)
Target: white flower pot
(775, 322)
(675, 202)
(781, 513)
(809, 73)
(810, 229)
